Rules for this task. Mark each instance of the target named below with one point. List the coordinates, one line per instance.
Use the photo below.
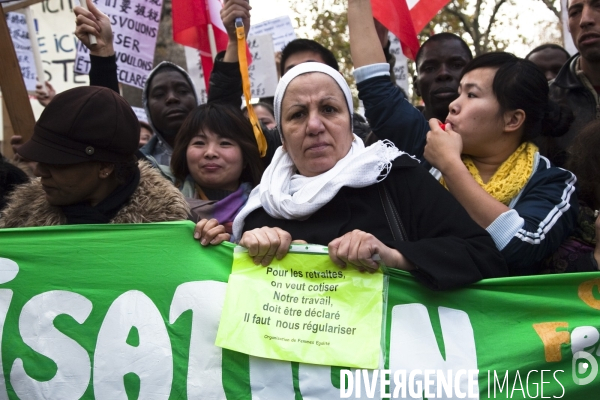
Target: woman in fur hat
(84, 144)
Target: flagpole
(93, 41)
(34, 47)
(212, 41)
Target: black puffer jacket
(568, 89)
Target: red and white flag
(423, 11)
(405, 18)
(190, 28)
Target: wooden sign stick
(13, 87)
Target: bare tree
(552, 6)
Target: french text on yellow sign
(303, 308)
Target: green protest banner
(132, 311)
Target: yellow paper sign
(303, 308)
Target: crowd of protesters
(497, 174)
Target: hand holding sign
(45, 93)
(358, 248)
(94, 23)
(266, 243)
(232, 10)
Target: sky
(524, 17)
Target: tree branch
(486, 38)
(550, 5)
(464, 19)
(476, 15)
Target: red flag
(395, 15)
(190, 28)
(423, 11)
(405, 18)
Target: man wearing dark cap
(84, 145)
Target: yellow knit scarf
(510, 177)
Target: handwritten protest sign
(17, 26)
(294, 312)
(262, 71)
(55, 25)
(135, 27)
(140, 113)
(194, 67)
(280, 29)
(400, 67)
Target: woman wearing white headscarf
(324, 186)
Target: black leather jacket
(568, 89)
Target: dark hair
(520, 84)
(548, 46)
(301, 45)
(144, 124)
(124, 170)
(440, 37)
(163, 68)
(227, 122)
(268, 106)
(584, 161)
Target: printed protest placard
(313, 314)
(262, 71)
(400, 67)
(135, 28)
(17, 26)
(280, 29)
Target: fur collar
(154, 200)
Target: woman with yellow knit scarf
(487, 160)
(484, 155)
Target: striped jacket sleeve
(541, 219)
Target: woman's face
(72, 183)
(265, 117)
(315, 122)
(475, 114)
(145, 136)
(215, 162)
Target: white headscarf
(285, 194)
(307, 68)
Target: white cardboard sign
(262, 71)
(401, 65)
(17, 26)
(280, 29)
(194, 67)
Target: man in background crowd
(440, 62)
(549, 58)
(578, 82)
